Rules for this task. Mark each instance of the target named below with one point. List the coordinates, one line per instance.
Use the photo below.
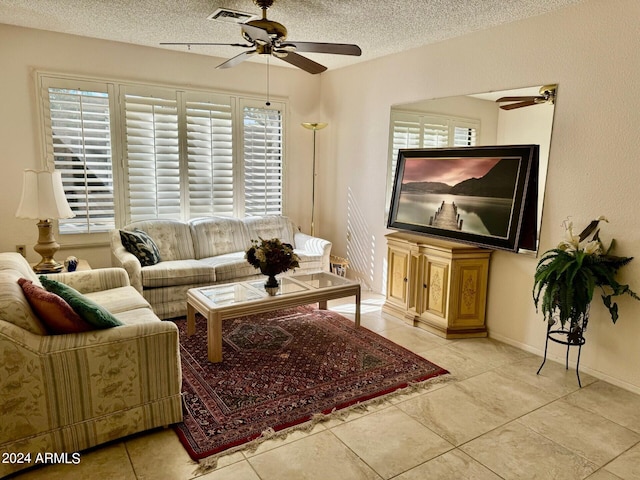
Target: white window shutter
(153, 155)
(464, 136)
(405, 134)
(210, 156)
(79, 140)
(263, 148)
(179, 153)
(435, 133)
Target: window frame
(116, 88)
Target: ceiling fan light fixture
(267, 37)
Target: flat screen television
(486, 196)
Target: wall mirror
(477, 120)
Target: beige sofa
(66, 393)
(207, 251)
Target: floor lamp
(315, 127)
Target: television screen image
(480, 195)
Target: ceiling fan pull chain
(268, 102)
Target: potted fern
(567, 276)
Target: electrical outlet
(21, 250)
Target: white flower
(594, 247)
(571, 242)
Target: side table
(82, 265)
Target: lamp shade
(43, 196)
(314, 125)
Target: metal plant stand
(571, 337)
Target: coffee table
(230, 300)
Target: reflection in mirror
(475, 120)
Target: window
(423, 130)
(79, 133)
(263, 161)
(152, 153)
(160, 152)
(210, 156)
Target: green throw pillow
(87, 309)
(141, 245)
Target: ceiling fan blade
(207, 43)
(304, 63)
(516, 99)
(318, 47)
(257, 34)
(232, 62)
(511, 106)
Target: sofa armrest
(87, 281)
(48, 382)
(314, 245)
(127, 260)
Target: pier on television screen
(486, 196)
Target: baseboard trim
(561, 359)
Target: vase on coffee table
(272, 285)
(271, 257)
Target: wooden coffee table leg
(214, 337)
(191, 320)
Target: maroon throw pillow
(54, 312)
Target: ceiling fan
(267, 37)
(547, 95)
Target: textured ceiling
(378, 27)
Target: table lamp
(43, 199)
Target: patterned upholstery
(269, 227)
(206, 251)
(218, 236)
(172, 237)
(14, 306)
(179, 272)
(230, 267)
(141, 245)
(66, 393)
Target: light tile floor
(495, 419)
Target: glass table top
(321, 280)
(253, 290)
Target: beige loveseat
(207, 251)
(65, 393)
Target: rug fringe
(211, 463)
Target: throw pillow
(141, 245)
(89, 310)
(53, 311)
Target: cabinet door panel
(471, 294)
(437, 279)
(398, 276)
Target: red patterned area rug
(280, 370)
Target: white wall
(591, 51)
(22, 51)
